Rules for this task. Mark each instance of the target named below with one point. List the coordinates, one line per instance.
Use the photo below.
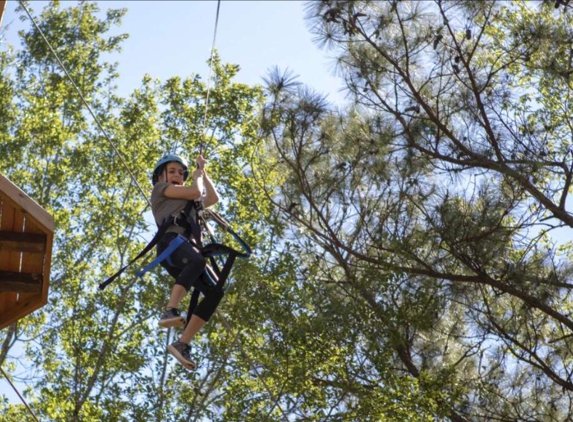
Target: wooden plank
(31, 264)
(7, 319)
(20, 282)
(6, 221)
(9, 261)
(46, 269)
(2, 8)
(16, 314)
(7, 214)
(23, 242)
(25, 204)
(21, 310)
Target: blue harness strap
(173, 245)
(162, 229)
(216, 277)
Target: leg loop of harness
(192, 305)
(226, 270)
(173, 246)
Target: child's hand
(201, 162)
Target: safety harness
(193, 228)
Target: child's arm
(211, 195)
(191, 193)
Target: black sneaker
(182, 353)
(171, 318)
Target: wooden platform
(26, 237)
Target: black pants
(188, 266)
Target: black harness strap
(195, 229)
(192, 305)
(220, 276)
(162, 230)
(193, 223)
(214, 249)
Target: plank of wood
(11, 220)
(47, 267)
(20, 282)
(33, 264)
(25, 204)
(22, 242)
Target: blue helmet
(169, 158)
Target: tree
(97, 355)
(427, 208)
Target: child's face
(173, 174)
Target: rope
(204, 119)
(225, 322)
(19, 395)
(85, 103)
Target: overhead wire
(227, 324)
(204, 119)
(108, 138)
(19, 395)
(98, 123)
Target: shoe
(182, 352)
(171, 318)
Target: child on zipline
(170, 197)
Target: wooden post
(2, 7)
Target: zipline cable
(202, 125)
(19, 395)
(86, 103)
(226, 323)
(204, 119)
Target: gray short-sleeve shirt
(162, 206)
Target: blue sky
(169, 38)
(174, 38)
